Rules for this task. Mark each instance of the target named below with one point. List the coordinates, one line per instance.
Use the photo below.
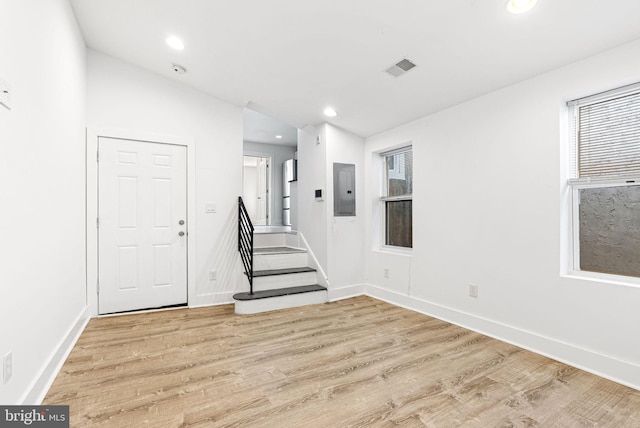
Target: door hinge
(98, 156)
(98, 287)
(98, 222)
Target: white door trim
(93, 134)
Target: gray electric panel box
(344, 189)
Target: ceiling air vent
(400, 68)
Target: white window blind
(608, 137)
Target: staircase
(279, 270)
(282, 277)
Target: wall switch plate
(386, 273)
(212, 275)
(7, 365)
(473, 290)
(5, 93)
(210, 208)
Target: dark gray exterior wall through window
(610, 230)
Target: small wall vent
(400, 68)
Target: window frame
(575, 187)
(576, 184)
(384, 198)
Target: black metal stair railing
(245, 241)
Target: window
(397, 198)
(605, 182)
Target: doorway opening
(269, 141)
(255, 188)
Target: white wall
(345, 235)
(278, 154)
(312, 174)
(42, 279)
(337, 242)
(489, 209)
(125, 97)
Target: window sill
(401, 251)
(606, 278)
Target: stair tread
(271, 272)
(274, 232)
(278, 292)
(277, 250)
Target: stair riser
(281, 281)
(280, 302)
(261, 240)
(279, 261)
(293, 240)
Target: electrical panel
(344, 189)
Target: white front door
(142, 233)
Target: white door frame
(92, 205)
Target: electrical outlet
(7, 367)
(386, 273)
(212, 275)
(473, 290)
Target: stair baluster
(245, 241)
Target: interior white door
(142, 233)
(249, 186)
(263, 195)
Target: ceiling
(260, 128)
(289, 59)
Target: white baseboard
(623, 372)
(346, 292)
(213, 299)
(43, 382)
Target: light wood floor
(354, 363)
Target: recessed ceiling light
(520, 6)
(175, 43)
(330, 112)
(278, 137)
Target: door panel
(142, 260)
(127, 267)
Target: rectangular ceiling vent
(400, 68)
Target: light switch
(210, 208)
(5, 93)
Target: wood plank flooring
(358, 362)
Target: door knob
(181, 222)
(181, 233)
